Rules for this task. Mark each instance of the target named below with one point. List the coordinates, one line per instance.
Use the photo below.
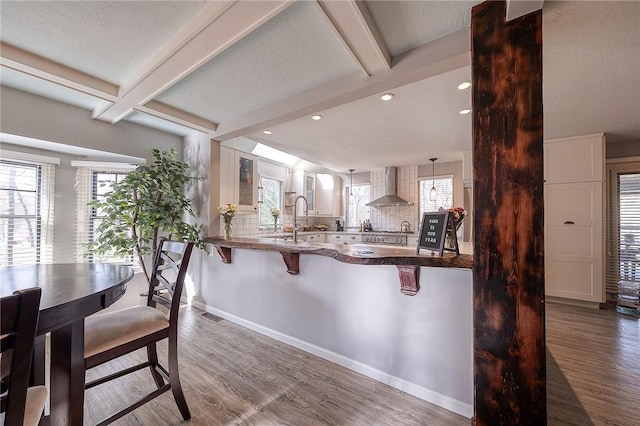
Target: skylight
(274, 154)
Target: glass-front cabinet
(310, 190)
(239, 179)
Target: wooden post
(508, 275)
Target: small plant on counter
(228, 211)
(147, 204)
(275, 212)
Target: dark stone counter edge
(349, 253)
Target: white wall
(355, 316)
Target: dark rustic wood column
(508, 275)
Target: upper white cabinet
(322, 191)
(577, 159)
(239, 179)
(574, 218)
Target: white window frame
(261, 205)
(367, 215)
(44, 214)
(84, 187)
(433, 206)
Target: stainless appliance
(390, 197)
(386, 238)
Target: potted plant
(149, 203)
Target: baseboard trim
(425, 394)
(573, 302)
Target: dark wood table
(70, 292)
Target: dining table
(70, 293)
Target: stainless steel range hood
(390, 197)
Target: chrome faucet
(295, 215)
(405, 226)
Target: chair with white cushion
(20, 404)
(114, 334)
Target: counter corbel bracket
(409, 279)
(292, 260)
(225, 253)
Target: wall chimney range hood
(390, 199)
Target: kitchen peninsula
(343, 305)
(406, 260)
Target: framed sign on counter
(433, 232)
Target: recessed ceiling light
(464, 85)
(387, 96)
(465, 111)
(267, 132)
(316, 117)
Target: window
(444, 199)
(26, 210)
(357, 210)
(623, 234)
(93, 181)
(102, 183)
(271, 197)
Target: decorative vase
(451, 235)
(275, 224)
(227, 230)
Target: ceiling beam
(353, 23)
(445, 54)
(214, 29)
(177, 116)
(518, 8)
(27, 63)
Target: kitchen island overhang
(406, 260)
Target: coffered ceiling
(232, 69)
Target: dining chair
(114, 334)
(20, 404)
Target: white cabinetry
(312, 238)
(344, 238)
(322, 191)
(239, 179)
(574, 218)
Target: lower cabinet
(312, 238)
(344, 238)
(574, 241)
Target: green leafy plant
(149, 203)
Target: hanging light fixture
(434, 192)
(351, 186)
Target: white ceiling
(233, 69)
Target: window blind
(91, 184)
(26, 209)
(623, 232)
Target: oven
(385, 238)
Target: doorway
(623, 235)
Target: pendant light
(433, 194)
(351, 185)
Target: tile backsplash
(389, 218)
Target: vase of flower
(227, 211)
(275, 212)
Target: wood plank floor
(232, 375)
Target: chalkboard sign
(433, 232)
